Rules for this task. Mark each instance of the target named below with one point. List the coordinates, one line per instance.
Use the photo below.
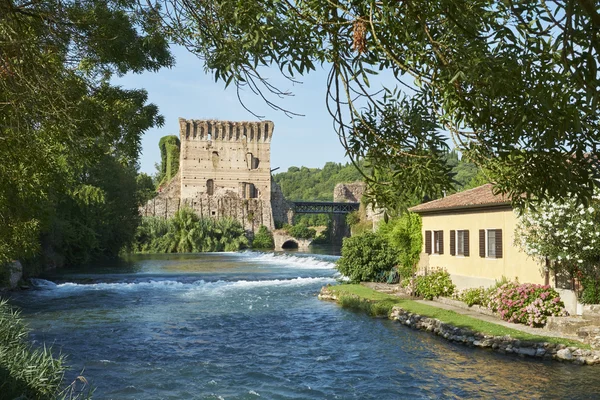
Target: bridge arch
(290, 244)
(283, 241)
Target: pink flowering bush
(526, 303)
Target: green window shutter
(452, 243)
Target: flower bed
(525, 303)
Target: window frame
(487, 243)
(437, 242)
(457, 247)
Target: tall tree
(514, 84)
(59, 115)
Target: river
(249, 325)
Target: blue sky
(187, 91)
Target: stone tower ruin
(220, 156)
(224, 171)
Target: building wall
(228, 153)
(474, 271)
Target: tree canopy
(313, 184)
(60, 117)
(512, 84)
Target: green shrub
(324, 237)
(366, 257)
(300, 231)
(263, 239)
(435, 284)
(473, 296)
(361, 227)
(27, 372)
(404, 234)
(353, 218)
(591, 291)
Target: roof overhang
(465, 209)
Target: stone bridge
(284, 241)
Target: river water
(249, 325)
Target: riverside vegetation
(75, 197)
(186, 232)
(460, 328)
(28, 372)
(391, 254)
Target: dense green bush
(188, 233)
(435, 284)
(473, 296)
(263, 239)
(404, 234)
(353, 218)
(312, 219)
(27, 372)
(591, 291)
(366, 257)
(300, 231)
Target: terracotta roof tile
(480, 196)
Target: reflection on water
(244, 325)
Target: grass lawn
(447, 316)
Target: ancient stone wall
(251, 213)
(282, 209)
(349, 192)
(224, 171)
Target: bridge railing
(324, 207)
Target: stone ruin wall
(353, 192)
(224, 171)
(349, 192)
(216, 155)
(282, 209)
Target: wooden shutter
(482, 243)
(428, 242)
(498, 243)
(466, 236)
(441, 239)
(452, 243)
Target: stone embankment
(500, 344)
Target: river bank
(454, 326)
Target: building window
(438, 242)
(249, 191)
(459, 243)
(251, 161)
(210, 187)
(490, 243)
(434, 242)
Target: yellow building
(471, 235)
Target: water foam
(298, 262)
(201, 285)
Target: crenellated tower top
(215, 130)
